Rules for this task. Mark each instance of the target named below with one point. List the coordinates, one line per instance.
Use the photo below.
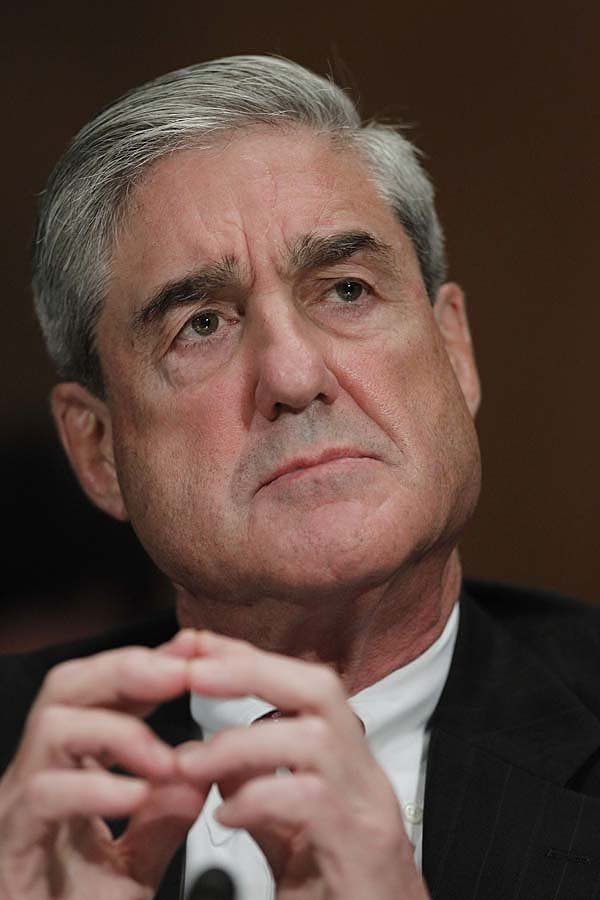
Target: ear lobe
(85, 429)
(450, 314)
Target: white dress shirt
(394, 710)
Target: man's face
(285, 415)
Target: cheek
(395, 379)
(175, 451)
(405, 383)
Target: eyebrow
(311, 251)
(195, 286)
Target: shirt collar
(406, 697)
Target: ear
(85, 428)
(450, 314)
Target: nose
(292, 370)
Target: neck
(363, 636)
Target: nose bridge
(290, 357)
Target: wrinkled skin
(293, 443)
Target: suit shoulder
(563, 632)
(22, 674)
(516, 604)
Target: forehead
(250, 196)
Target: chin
(340, 548)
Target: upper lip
(307, 462)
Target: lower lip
(319, 468)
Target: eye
(349, 290)
(204, 323)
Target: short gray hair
(86, 196)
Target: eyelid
(332, 282)
(202, 311)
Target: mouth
(301, 464)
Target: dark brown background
(504, 98)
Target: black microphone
(213, 884)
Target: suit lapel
(506, 738)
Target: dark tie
(275, 714)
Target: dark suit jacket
(512, 805)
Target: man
(264, 369)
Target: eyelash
(217, 335)
(367, 290)
(207, 339)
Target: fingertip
(205, 675)
(136, 790)
(187, 763)
(206, 639)
(186, 637)
(162, 760)
(222, 813)
(183, 644)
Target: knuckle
(225, 738)
(127, 729)
(225, 745)
(129, 669)
(129, 663)
(316, 731)
(315, 791)
(382, 839)
(138, 730)
(46, 723)
(60, 676)
(34, 791)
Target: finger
(234, 668)
(67, 737)
(274, 811)
(158, 828)
(133, 678)
(290, 801)
(307, 743)
(55, 795)
(352, 852)
(184, 644)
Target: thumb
(158, 828)
(279, 841)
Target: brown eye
(349, 290)
(205, 323)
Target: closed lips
(300, 463)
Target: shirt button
(413, 813)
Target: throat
(362, 637)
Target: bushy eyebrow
(202, 283)
(311, 251)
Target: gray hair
(86, 197)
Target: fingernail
(135, 789)
(220, 814)
(188, 763)
(163, 756)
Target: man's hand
(53, 840)
(333, 828)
